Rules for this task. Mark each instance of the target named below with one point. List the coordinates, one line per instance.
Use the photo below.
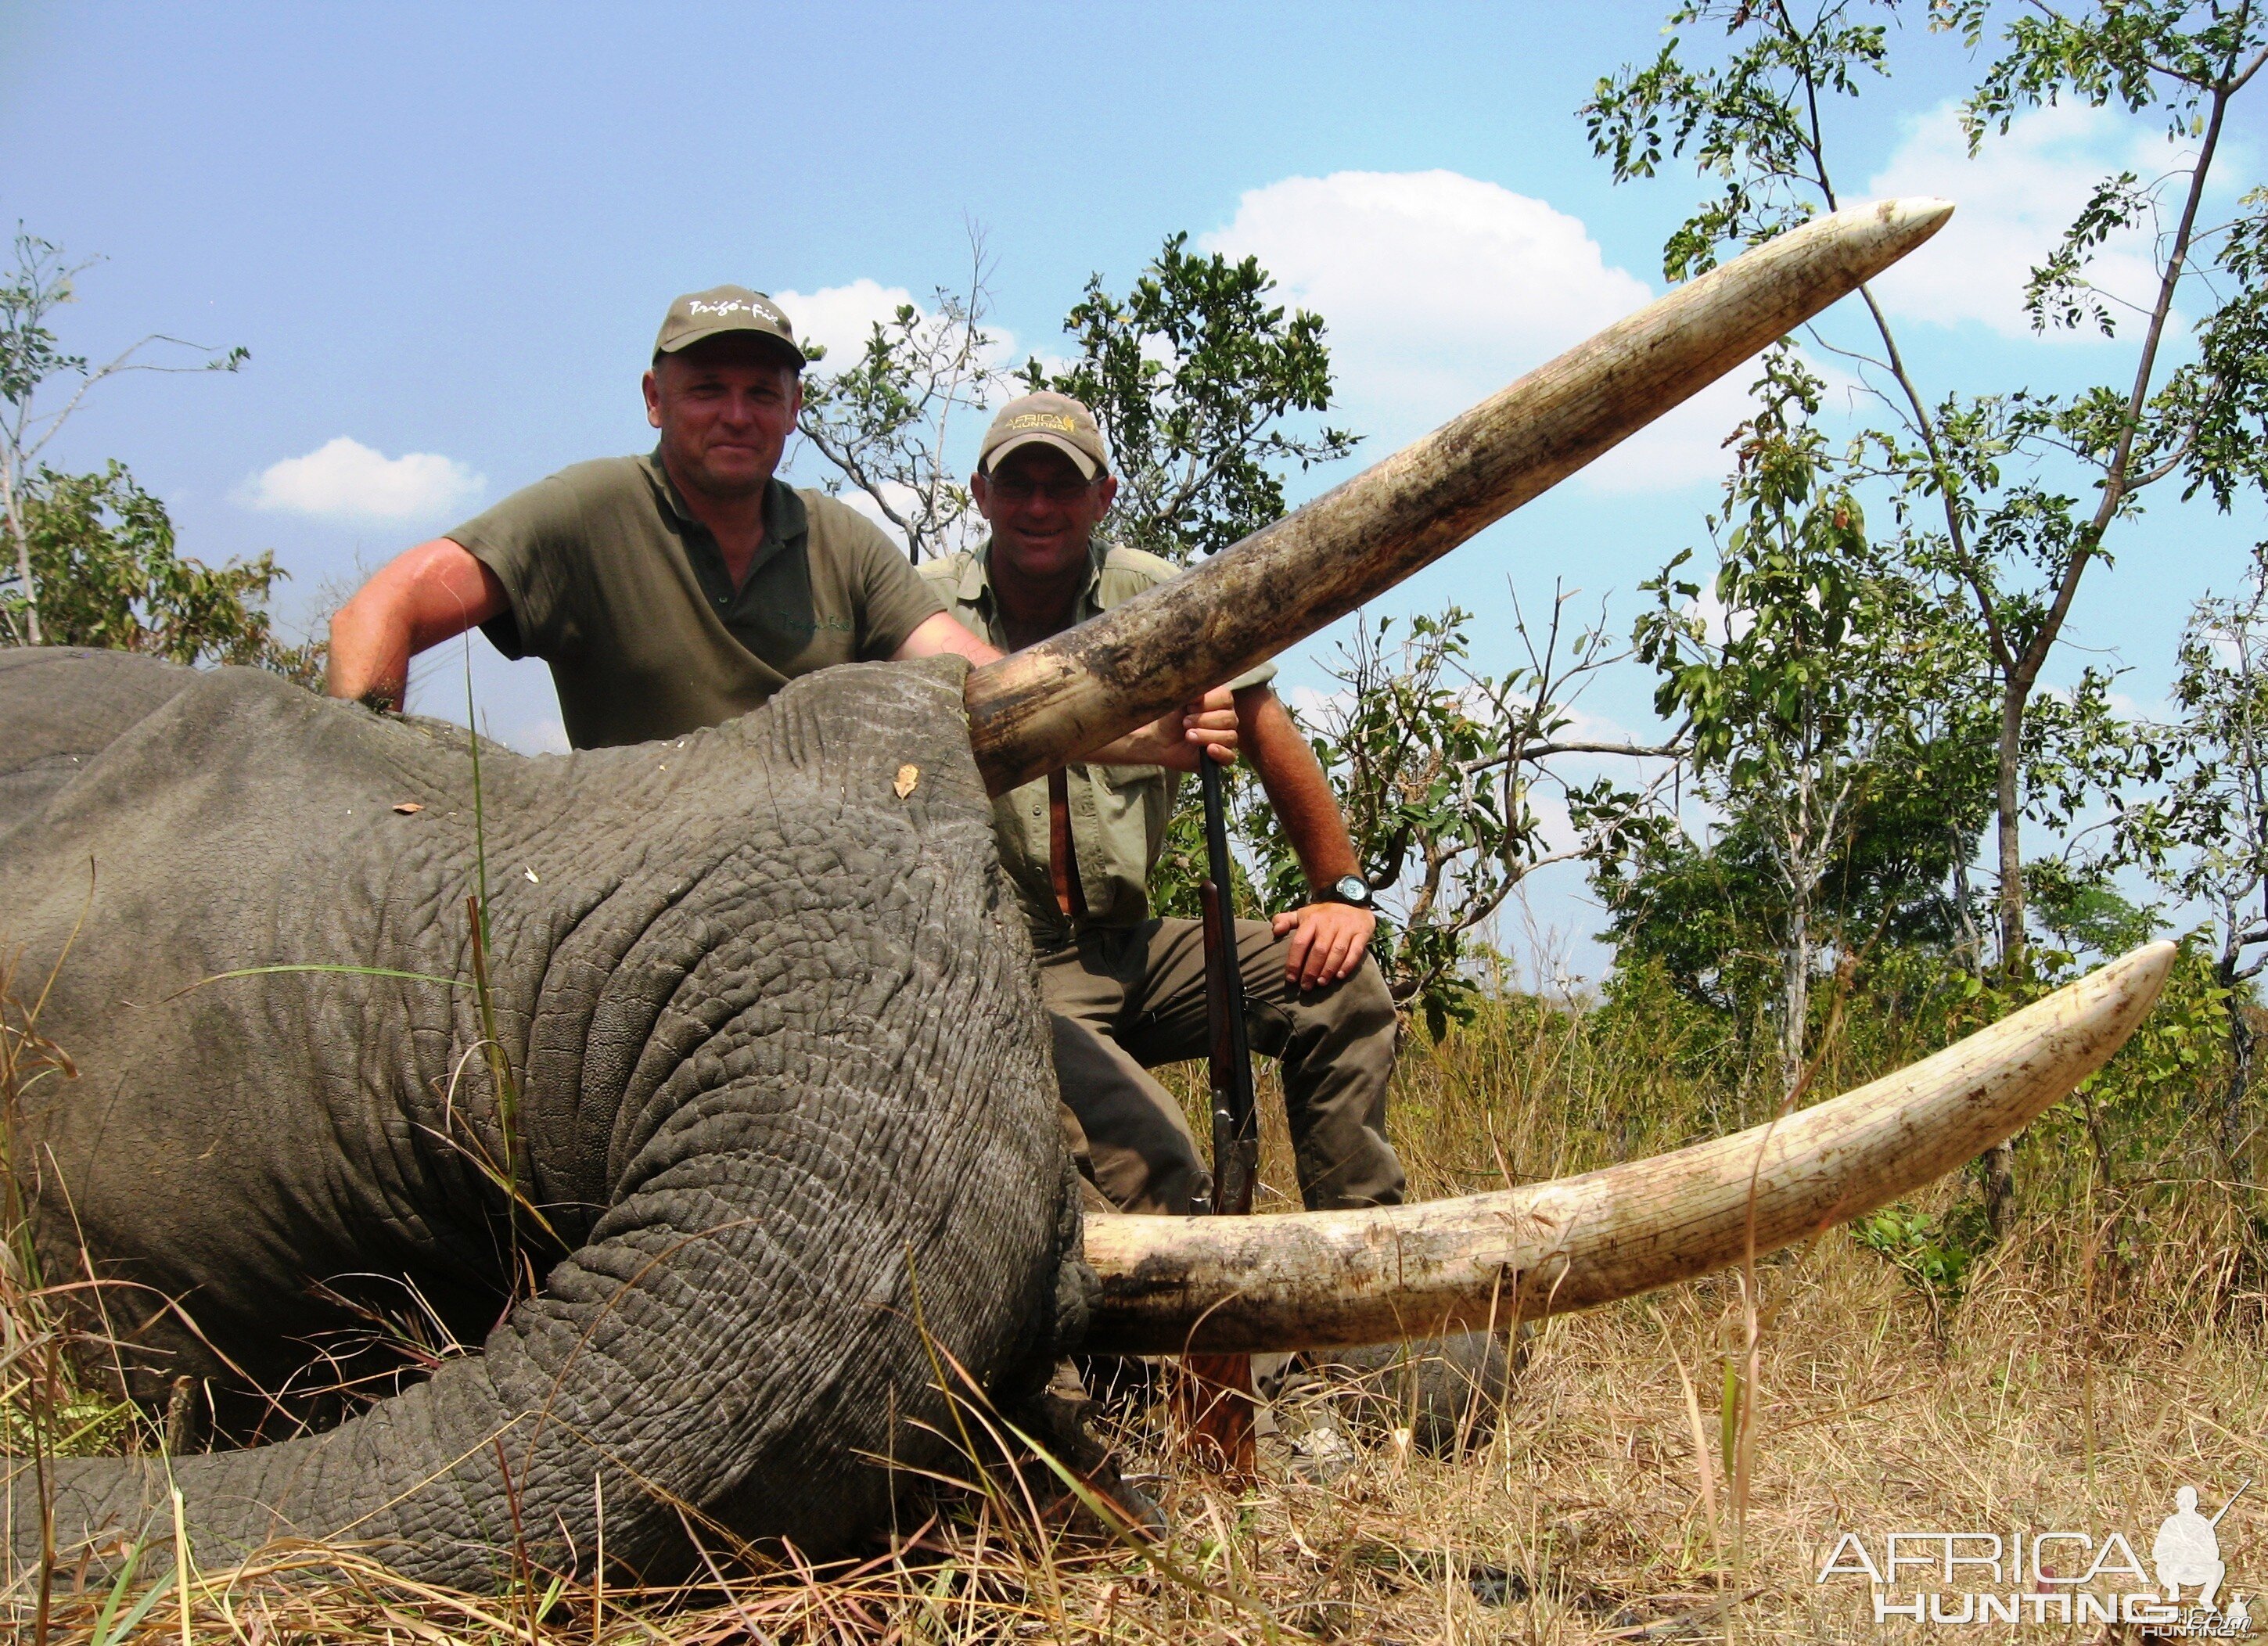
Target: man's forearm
(369, 660)
(1153, 745)
(422, 597)
(1305, 808)
(941, 633)
(1328, 939)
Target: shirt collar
(976, 579)
(976, 576)
(785, 518)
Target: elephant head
(783, 1105)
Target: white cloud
(1716, 621)
(547, 735)
(1417, 273)
(1440, 288)
(1586, 726)
(841, 318)
(344, 480)
(2014, 201)
(1317, 709)
(1682, 446)
(1313, 707)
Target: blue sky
(446, 235)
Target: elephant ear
(857, 1153)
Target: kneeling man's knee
(1369, 1004)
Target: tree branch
(1539, 751)
(2117, 483)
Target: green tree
(34, 360)
(1808, 693)
(101, 550)
(1193, 376)
(1439, 767)
(1705, 913)
(2076, 900)
(1967, 474)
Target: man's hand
(1207, 726)
(1179, 740)
(1329, 941)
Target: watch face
(1353, 890)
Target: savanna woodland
(1885, 803)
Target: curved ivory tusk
(1315, 1280)
(1050, 703)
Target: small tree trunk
(1969, 942)
(1997, 1167)
(2008, 821)
(2240, 1064)
(1998, 1164)
(1795, 995)
(11, 501)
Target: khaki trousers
(1125, 999)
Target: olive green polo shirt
(614, 584)
(1118, 813)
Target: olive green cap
(1049, 419)
(699, 315)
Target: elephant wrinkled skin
(784, 1105)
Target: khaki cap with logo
(699, 315)
(1046, 419)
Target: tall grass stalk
(501, 1078)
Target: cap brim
(703, 335)
(1086, 460)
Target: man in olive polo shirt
(1126, 991)
(671, 591)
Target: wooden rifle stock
(1217, 1394)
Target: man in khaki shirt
(1126, 991)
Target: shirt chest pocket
(1133, 805)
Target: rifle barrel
(1235, 1110)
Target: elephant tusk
(1029, 713)
(1316, 1280)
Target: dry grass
(2110, 1349)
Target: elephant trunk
(1321, 1279)
(1030, 713)
(443, 1481)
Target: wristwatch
(1347, 889)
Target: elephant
(760, 1007)
(640, 1143)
